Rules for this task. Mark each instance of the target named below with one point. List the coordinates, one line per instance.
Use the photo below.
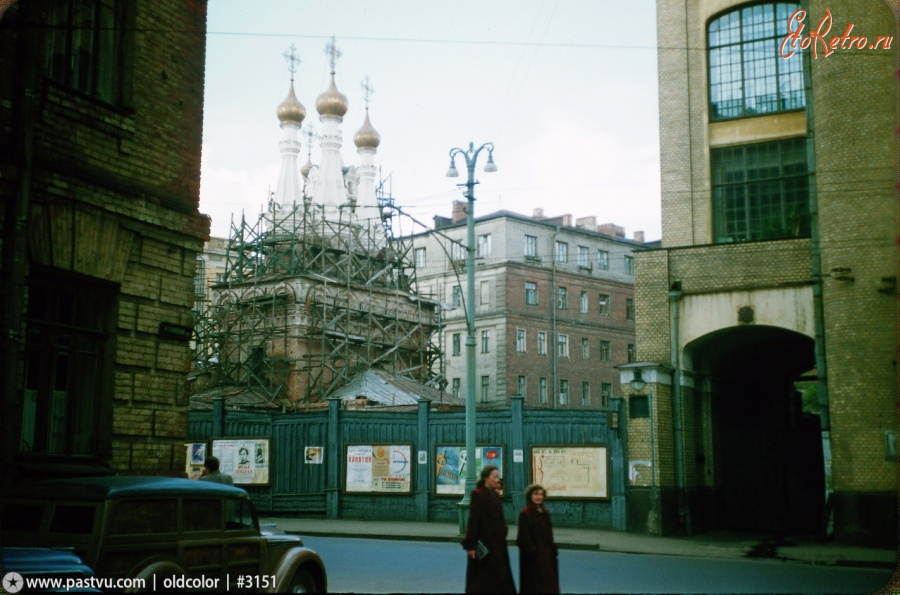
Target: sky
(566, 90)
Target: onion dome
(332, 102)
(367, 136)
(291, 110)
(304, 171)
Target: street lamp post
(471, 156)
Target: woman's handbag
(480, 550)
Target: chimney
(567, 220)
(639, 237)
(459, 211)
(586, 223)
(611, 229)
(538, 214)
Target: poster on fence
(378, 468)
(246, 460)
(450, 467)
(571, 471)
(195, 454)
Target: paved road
(393, 566)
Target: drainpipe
(554, 340)
(13, 270)
(816, 272)
(684, 513)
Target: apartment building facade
(554, 309)
(766, 324)
(101, 231)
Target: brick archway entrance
(767, 465)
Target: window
(584, 302)
(483, 245)
(585, 393)
(629, 309)
(605, 351)
(456, 342)
(485, 341)
(585, 348)
(563, 392)
(485, 389)
(531, 246)
(562, 301)
(420, 258)
(485, 292)
(457, 296)
(632, 356)
(542, 390)
(68, 325)
(562, 252)
(455, 387)
(457, 252)
(603, 260)
(605, 394)
(604, 305)
(747, 75)
(584, 258)
(520, 340)
(760, 191)
(563, 346)
(638, 406)
(542, 343)
(86, 41)
(520, 386)
(629, 266)
(531, 297)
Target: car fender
(161, 569)
(292, 561)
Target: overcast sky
(565, 89)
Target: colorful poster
(451, 469)
(195, 455)
(313, 455)
(246, 460)
(382, 468)
(571, 471)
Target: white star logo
(12, 582)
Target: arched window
(747, 75)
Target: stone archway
(766, 453)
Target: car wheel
(303, 582)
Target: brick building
(99, 173)
(766, 324)
(554, 311)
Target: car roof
(101, 488)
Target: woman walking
(487, 563)
(538, 563)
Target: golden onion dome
(367, 136)
(291, 110)
(304, 171)
(332, 102)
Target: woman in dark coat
(538, 564)
(492, 573)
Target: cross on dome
(333, 53)
(293, 59)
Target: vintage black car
(173, 534)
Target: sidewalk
(715, 545)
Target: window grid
(563, 346)
(584, 258)
(603, 260)
(542, 343)
(629, 309)
(632, 356)
(563, 392)
(562, 252)
(629, 266)
(531, 295)
(420, 258)
(603, 303)
(747, 75)
(531, 246)
(485, 389)
(520, 340)
(605, 351)
(483, 245)
(485, 341)
(585, 348)
(456, 344)
(455, 387)
(605, 394)
(521, 386)
(760, 191)
(584, 302)
(563, 298)
(586, 393)
(542, 390)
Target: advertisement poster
(450, 466)
(246, 460)
(195, 454)
(382, 468)
(313, 455)
(571, 471)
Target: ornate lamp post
(471, 156)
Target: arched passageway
(767, 464)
